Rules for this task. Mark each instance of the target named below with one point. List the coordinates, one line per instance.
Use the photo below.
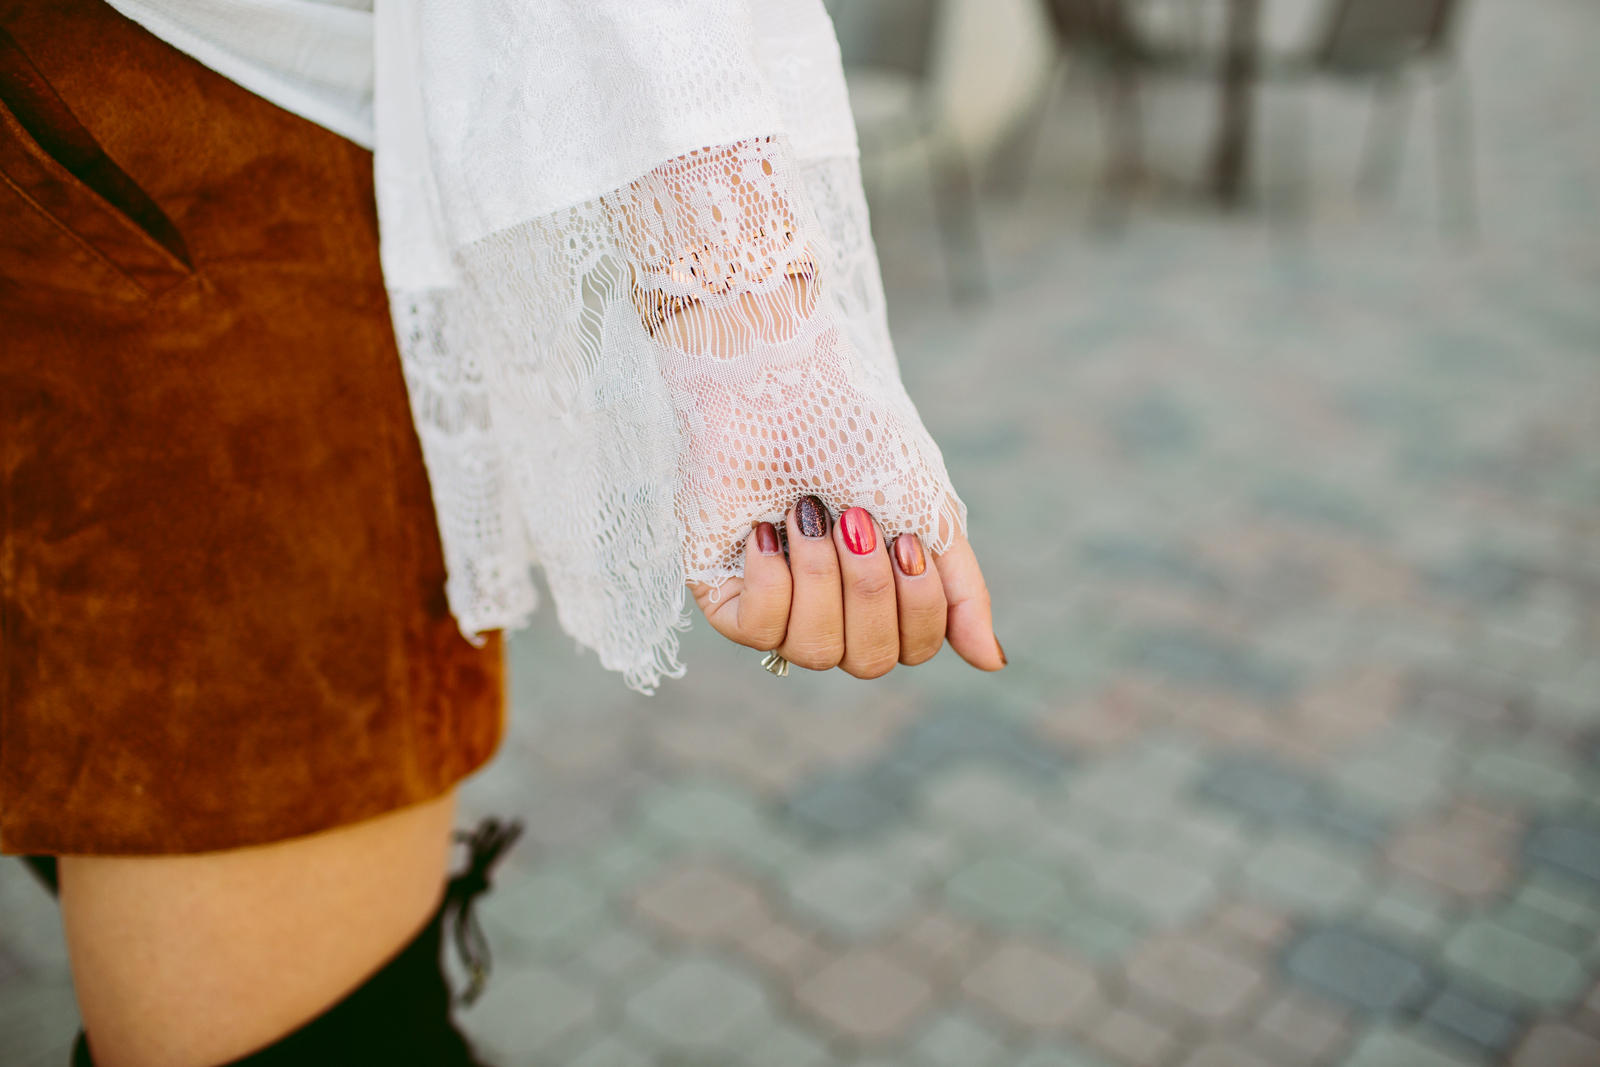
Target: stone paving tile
(865, 996)
(1354, 968)
(1482, 1024)
(700, 1007)
(531, 1011)
(844, 804)
(699, 902)
(1202, 983)
(782, 949)
(1056, 1055)
(1165, 892)
(1532, 771)
(1101, 723)
(1277, 793)
(1393, 1048)
(1034, 987)
(1224, 1054)
(610, 1052)
(1514, 964)
(1301, 1028)
(1409, 913)
(958, 1040)
(1247, 928)
(1467, 851)
(939, 945)
(853, 893)
(1132, 1039)
(785, 1046)
(621, 958)
(1572, 849)
(1554, 1045)
(1307, 874)
(1003, 891)
(981, 801)
(548, 914)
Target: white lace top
(633, 284)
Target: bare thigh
(191, 961)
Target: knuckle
(921, 617)
(872, 586)
(817, 569)
(874, 667)
(765, 640)
(814, 657)
(911, 657)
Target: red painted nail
(908, 555)
(767, 539)
(860, 535)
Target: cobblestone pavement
(1294, 536)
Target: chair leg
(1291, 186)
(1124, 146)
(1008, 175)
(1454, 151)
(955, 201)
(1386, 133)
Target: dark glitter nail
(812, 517)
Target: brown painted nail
(860, 535)
(1003, 661)
(767, 539)
(908, 555)
(812, 517)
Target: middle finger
(871, 624)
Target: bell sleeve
(624, 351)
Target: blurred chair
(1387, 43)
(1102, 39)
(888, 48)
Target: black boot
(400, 1017)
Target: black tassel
(486, 844)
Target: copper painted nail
(1003, 661)
(812, 517)
(767, 539)
(860, 535)
(908, 555)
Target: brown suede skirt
(221, 588)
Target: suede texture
(221, 588)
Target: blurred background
(1263, 339)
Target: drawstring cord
(486, 844)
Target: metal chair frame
(1386, 43)
(903, 37)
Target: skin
(192, 961)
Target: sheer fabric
(636, 299)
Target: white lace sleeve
(622, 387)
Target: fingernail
(908, 555)
(811, 517)
(767, 539)
(1003, 661)
(860, 535)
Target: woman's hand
(845, 598)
